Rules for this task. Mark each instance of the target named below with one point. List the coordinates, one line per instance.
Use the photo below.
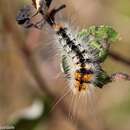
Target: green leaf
(99, 38)
(102, 79)
(100, 32)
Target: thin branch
(119, 58)
(120, 76)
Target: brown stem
(119, 58)
(120, 76)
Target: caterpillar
(83, 51)
(87, 51)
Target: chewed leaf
(99, 38)
(100, 32)
(107, 32)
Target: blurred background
(31, 81)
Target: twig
(119, 58)
(120, 76)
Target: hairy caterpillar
(85, 70)
(83, 52)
